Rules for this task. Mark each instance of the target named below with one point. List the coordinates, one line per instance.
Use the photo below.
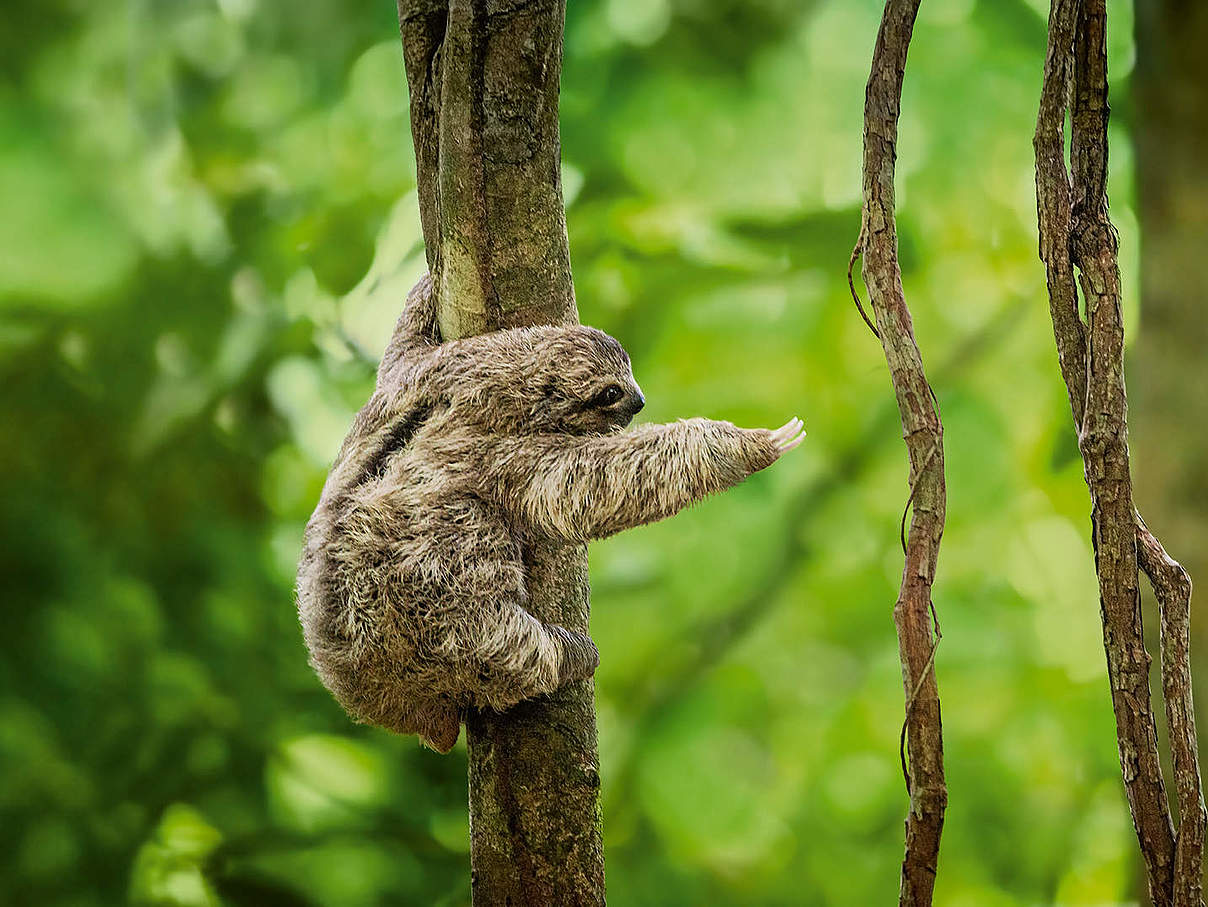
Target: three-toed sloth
(412, 590)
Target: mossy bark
(484, 80)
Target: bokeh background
(209, 225)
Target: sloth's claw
(789, 435)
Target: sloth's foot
(439, 728)
(580, 657)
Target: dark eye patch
(607, 397)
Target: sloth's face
(608, 405)
(589, 388)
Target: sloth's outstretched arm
(416, 328)
(576, 489)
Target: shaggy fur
(411, 589)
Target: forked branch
(1079, 249)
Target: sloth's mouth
(610, 427)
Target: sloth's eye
(608, 396)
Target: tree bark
(1077, 236)
(484, 79)
(924, 435)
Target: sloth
(412, 588)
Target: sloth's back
(398, 581)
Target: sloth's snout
(636, 403)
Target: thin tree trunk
(1076, 235)
(484, 116)
(923, 760)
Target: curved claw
(789, 435)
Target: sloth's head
(570, 380)
(586, 382)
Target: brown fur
(411, 589)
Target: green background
(209, 226)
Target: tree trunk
(1076, 235)
(923, 754)
(483, 78)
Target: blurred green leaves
(168, 869)
(52, 216)
(210, 226)
(321, 781)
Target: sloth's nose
(638, 402)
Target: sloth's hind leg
(518, 657)
(438, 726)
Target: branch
(923, 431)
(1054, 207)
(484, 118)
(1076, 231)
(1172, 586)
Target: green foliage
(209, 227)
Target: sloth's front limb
(517, 657)
(416, 328)
(575, 489)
